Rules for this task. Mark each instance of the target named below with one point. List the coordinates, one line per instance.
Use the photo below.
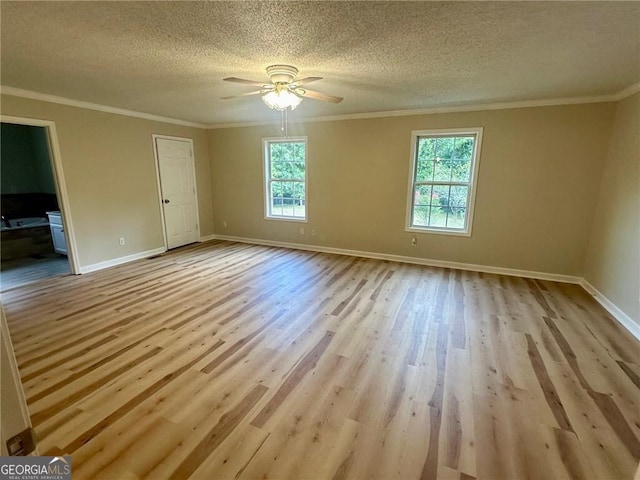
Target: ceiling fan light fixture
(284, 92)
(281, 100)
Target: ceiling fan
(284, 91)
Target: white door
(178, 190)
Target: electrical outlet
(313, 232)
(414, 241)
(301, 230)
(224, 223)
(121, 240)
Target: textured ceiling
(169, 58)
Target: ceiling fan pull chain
(284, 125)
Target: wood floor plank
(227, 360)
(457, 440)
(219, 433)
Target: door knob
(166, 201)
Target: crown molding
(18, 92)
(627, 92)
(430, 111)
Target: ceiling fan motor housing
(282, 73)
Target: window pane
(444, 148)
(287, 152)
(276, 206)
(463, 148)
(299, 210)
(298, 152)
(458, 196)
(438, 217)
(287, 199)
(291, 170)
(440, 195)
(278, 170)
(276, 189)
(456, 218)
(275, 150)
(421, 216)
(422, 195)
(287, 190)
(426, 149)
(442, 171)
(461, 171)
(297, 170)
(298, 190)
(299, 199)
(424, 171)
(276, 198)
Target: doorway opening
(36, 240)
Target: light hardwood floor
(231, 361)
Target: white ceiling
(169, 58)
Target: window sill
(440, 231)
(287, 219)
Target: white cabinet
(57, 232)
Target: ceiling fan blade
(255, 92)
(304, 81)
(244, 81)
(321, 96)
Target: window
(285, 170)
(444, 167)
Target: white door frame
(60, 184)
(159, 182)
(14, 414)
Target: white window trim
(445, 132)
(266, 175)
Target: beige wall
(539, 173)
(613, 261)
(110, 174)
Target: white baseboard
(404, 259)
(623, 319)
(617, 313)
(120, 260)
